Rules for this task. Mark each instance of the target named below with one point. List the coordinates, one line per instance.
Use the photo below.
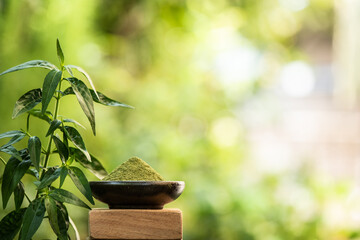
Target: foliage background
(192, 69)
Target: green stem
(28, 123)
(55, 117)
(48, 151)
(27, 197)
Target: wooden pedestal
(126, 224)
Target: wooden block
(135, 224)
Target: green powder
(134, 169)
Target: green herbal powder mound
(134, 169)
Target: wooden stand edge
(135, 224)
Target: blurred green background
(203, 77)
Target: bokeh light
(254, 104)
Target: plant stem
(27, 197)
(28, 123)
(55, 117)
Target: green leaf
(77, 140)
(64, 196)
(73, 121)
(27, 102)
(9, 149)
(84, 98)
(65, 139)
(33, 217)
(63, 220)
(24, 153)
(62, 149)
(30, 64)
(59, 52)
(85, 74)
(33, 172)
(51, 82)
(80, 181)
(63, 174)
(51, 210)
(6, 187)
(58, 217)
(11, 223)
(15, 139)
(69, 70)
(11, 134)
(70, 160)
(34, 146)
(94, 166)
(53, 126)
(13, 172)
(47, 116)
(19, 194)
(49, 177)
(104, 100)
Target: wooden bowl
(136, 194)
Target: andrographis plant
(34, 160)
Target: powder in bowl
(134, 169)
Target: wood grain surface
(121, 224)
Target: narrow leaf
(9, 149)
(30, 64)
(33, 217)
(6, 187)
(58, 217)
(59, 52)
(11, 134)
(64, 196)
(85, 100)
(77, 140)
(15, 139)
(63, 174)
(24, 153)
(63, 220)
(11, 223)
(94, 166)
(85, 74)
(34, 146)
(62, 149)
(27, 102)
(80, 181)
(65, 139)
(13, 172)
(73, 121)
(51, 210)
(51, 81)
(69, 70)
(33, 172)
(104, 100)
(53, 126)
(47, 116)
(19, 194)
(49, 177)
